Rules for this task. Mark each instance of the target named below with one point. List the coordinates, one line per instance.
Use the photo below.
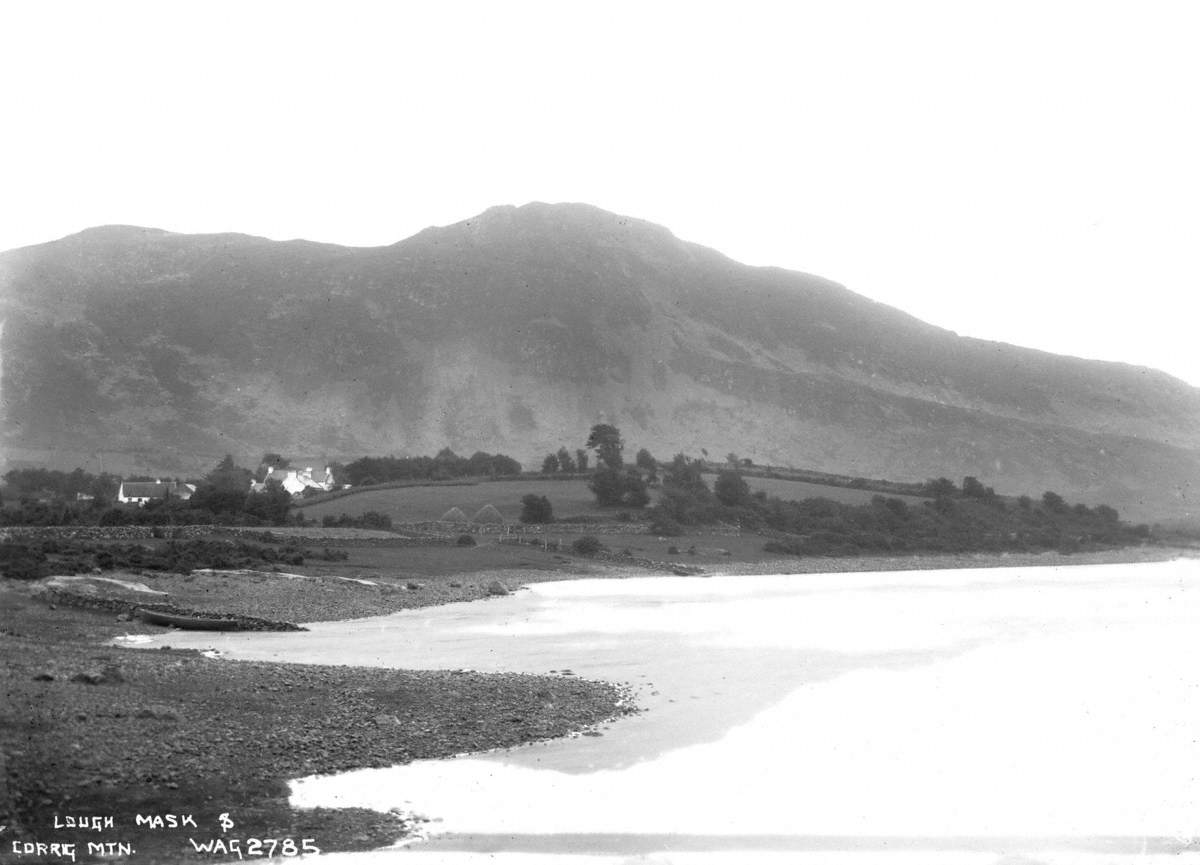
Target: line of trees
(611, 481)
(967, 519)
(445, 465)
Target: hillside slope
(516, 330)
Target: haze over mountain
(518, 329)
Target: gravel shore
(90, 729)
(97, 730)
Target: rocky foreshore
(91, 729)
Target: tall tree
(608, 485)
(565, 462)
(731, 488)
(605, 440)
(647, 463)
(228, 476)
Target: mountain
(518, 329)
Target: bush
(663, 526)
(588, 545)
(1053, 502)
(536, 509)
(731, 488)
(465, 540)
(21, 562)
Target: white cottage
(296, 481)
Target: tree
(687, 475)
(1053, 502)
(566, 463)
(731, 488)
(605, 440)
(271, 505)
(227, 476)
(972, 488)
(223, 490)
(447, 464)
(647, 463)
(549, 464)
(271, 460)
(607, 485)
(536, 509)
(940, 487)
(685, 497)
(634, 494)
(581, 459)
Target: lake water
(993, 716)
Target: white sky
(1028, 172)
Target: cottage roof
(147, 489)
(320, 470)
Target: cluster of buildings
(294, 481)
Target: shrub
(663, 526)
(21, 562)
(465, 540)
(588, 545)
(1053, 501)
(731, 488)
(536, 509)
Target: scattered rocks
(109, 675)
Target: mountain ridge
(516, 329)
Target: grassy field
(569, 498)
(417, 504)
(798, 490)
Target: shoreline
(95, 729)
(70, 747)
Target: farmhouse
(296, 481)
(140, 492)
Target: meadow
(412, 504)
(799, 490)
(570, 498)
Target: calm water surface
(996, 715)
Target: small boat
(192, 623)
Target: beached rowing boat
(193, 623)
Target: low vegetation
(35, 558)
(447, 465)
(967, 519)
